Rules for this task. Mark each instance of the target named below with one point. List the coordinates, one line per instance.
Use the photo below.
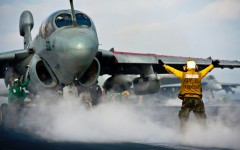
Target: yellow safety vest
(191, 81)
(191, 85)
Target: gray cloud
(185, 28)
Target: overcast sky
(193, 28)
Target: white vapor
(124, 122)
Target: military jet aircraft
(170, 86)
(214, 85)
(66, 51)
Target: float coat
(191, 81)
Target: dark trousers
(197, 106)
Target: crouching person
(16, 96)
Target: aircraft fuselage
(66, 50)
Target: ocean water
(121, 125)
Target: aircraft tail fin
(25, 26)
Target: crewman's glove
(160, 62)
(215, 62)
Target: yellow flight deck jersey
(191, 81)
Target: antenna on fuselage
(73, 14)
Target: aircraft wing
(10, 57)
(132, 63)
(13, 54)
(231, 85)
(227, 87)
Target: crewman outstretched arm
(209, 68)
(174, 71)
(205, 71)
(24, 84)
(171, 69)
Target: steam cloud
(147, 123)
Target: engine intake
(118, 83)
(39, 72)
(91, 74)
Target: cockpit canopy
(66, 20)
(63, 18)
(211, 77)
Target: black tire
(1, 118)
(3, 113)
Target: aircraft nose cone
(77, 45)
(218, 86)
(79, 48)
(74, 50)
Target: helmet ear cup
(196, 67)
(185, 68)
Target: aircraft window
(63, 20)
(46, 28)
(83, 20)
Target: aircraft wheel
(3, 112)
(0, 116)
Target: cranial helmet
(190, 64)
(16, 81)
